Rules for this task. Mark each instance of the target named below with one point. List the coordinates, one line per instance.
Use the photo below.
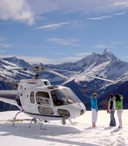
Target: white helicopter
(41, 100)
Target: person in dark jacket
(94, 108)
(111, 109)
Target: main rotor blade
(54, 72)
(18, 68)
(41, 69)
(66, 71)
(111, 81)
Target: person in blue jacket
(94, 108)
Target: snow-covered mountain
(105, 65)
(81, 76)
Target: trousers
(119, 115)
(112, 119)
(94, 115)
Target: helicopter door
(44, 103)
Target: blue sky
(57, 31)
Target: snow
(56, 134)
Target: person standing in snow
(119, 108)
(94, 108)
(111, 109)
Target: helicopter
(40, 100)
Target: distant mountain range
(81, 75)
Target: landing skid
(64, 121)
(16, 116)
(35, 121)
(70, 121)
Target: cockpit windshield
(63, 96)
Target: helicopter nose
(77, 110)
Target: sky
(54, 32)
(56, 134)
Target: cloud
(53, 25)
(57, 53)
(2, 51)
(75, 6)
(84, 54)
(27, 11)
(2, 39)
(106, 17)
(69, 42)
(118, 14)
(5, 46)
(117, 43)
(36, 59)
(101, 46)
(100, 18)
(71, 59)
(126, 57)
(124, 3)
(16, 10)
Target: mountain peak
(106, 50)
(107, 54)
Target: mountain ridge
(81, 76)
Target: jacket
(119, 104)
(94, 103)
(112, 104)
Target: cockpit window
(63, 96)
